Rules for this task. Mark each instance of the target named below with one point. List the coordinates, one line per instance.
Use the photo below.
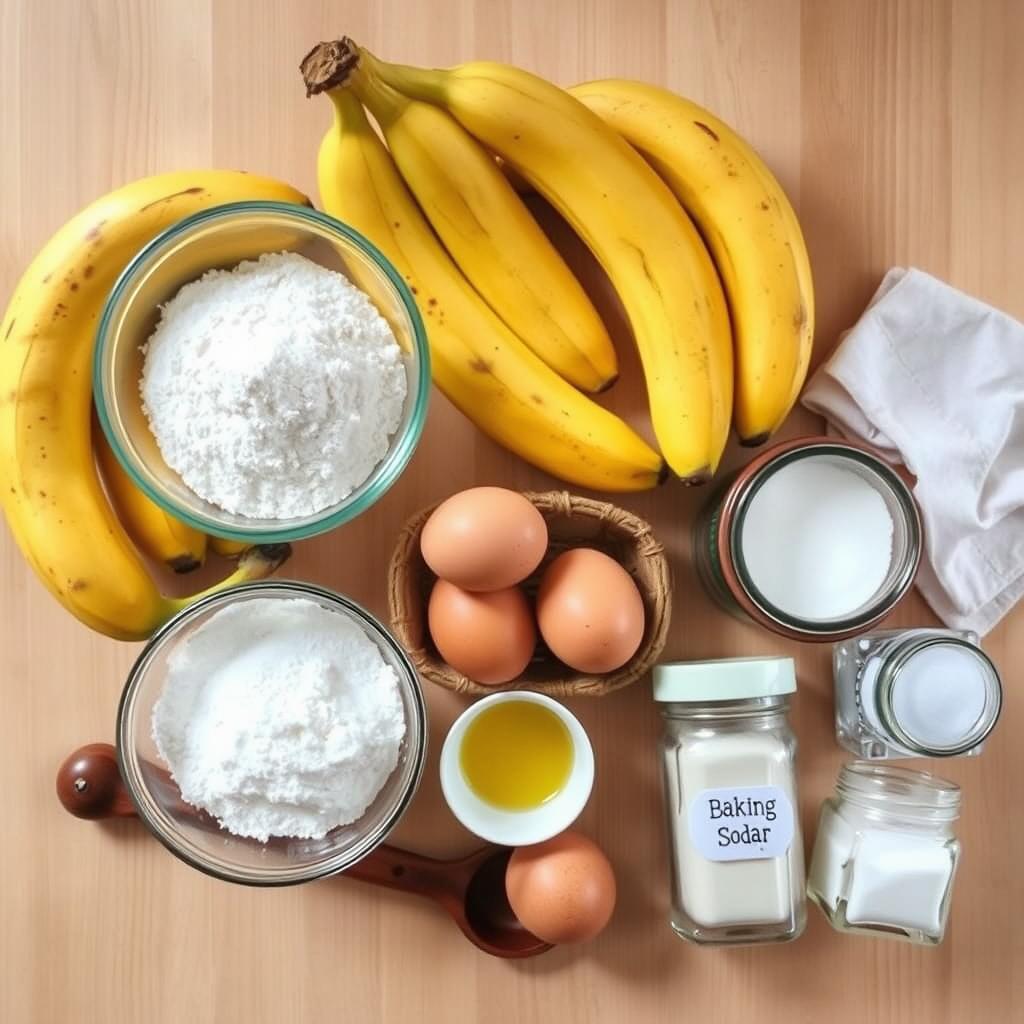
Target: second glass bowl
(193, 835)
(222, 237)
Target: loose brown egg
(590, 612)
(562, 890)
(488, 637)
(483, 539)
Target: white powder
(939, 697)
(279, 718)
(272, 389)
(721, 894)
(817, 540)
(891, 879)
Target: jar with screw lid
(728, 757)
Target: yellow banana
(750, 228)
(630, 221)
(483, 368)
(51, 493)
(228, 548)
(490, 234)
(156, 533)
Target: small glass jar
(789, 528)
(886, 854)
(728, 758)
(914, 693)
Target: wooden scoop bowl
(471, 890)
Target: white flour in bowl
(279, 718)
(272, 389)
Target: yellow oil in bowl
(516, 755)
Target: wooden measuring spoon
(471, 890)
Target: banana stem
(349, 115)
(337, 63)
(385, 103)
(255, 564)
(417, 83)
(328, 65)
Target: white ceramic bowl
(517, 828)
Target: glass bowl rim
(384, 474)
(167, 838)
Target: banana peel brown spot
(93, 233)
(10, 327)
(481, 366)
(536, 399)
(195, 190)
(764, 205)
(76, 585)
(706, 129)
(88, 271)
(800, 317)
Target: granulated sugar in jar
(816, 539)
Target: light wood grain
(897, 126)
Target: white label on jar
(741, 823)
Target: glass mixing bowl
(221, 237)
(193, 835)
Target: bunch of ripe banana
(52, 496)
(722, 335)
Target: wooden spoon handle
(410, 872)
(89, 784)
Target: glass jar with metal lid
(816, 539)
(886, 853)
(915, 693)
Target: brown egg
(486, 538)
(488, 637)
(562, 890)
(590, 612)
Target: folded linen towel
(934, 380)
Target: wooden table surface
(898, 129)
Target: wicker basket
(572, 522)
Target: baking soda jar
(816, 539)
(886, 854)
(728, 756)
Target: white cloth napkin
(935, 380)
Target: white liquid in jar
(817, 540)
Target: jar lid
(724, 679)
